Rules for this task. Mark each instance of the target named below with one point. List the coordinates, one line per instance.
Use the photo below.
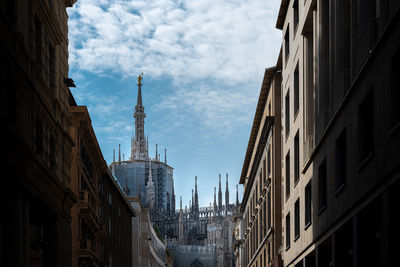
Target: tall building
(35, 195)
(340, 136)
(144, 177)
(348, 57)
(101, 222)
(258, 225)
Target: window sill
(340, 189)
(365, 161)
(287, 248)
(308, 224)
(394, 129)
(321, 210)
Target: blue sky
(203, 64)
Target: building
(102, 217)
(342, 210)
(149, 179)
(36, 198)
(149, 246)
(339, 138)
(258, 228)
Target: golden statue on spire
(140, 78)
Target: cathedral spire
(226, 196)
(150, 190)
(237, 197)
(219, 195)
(139, 143)
(119, 152)
(215, 201)
(196, 199)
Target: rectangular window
(52, 70)
(296, 90)
(322, 185)
(394, 89)
(366, 126)
(340, 160)
(265, 175)
(297, 219)
(38, 42)
(296, 158)
(269, 160)
(265, 218)
(287, 230)
(269, 210)
(366, 10)
(287, 114)
(52, 153)
(295, 14)
(287, 173)
(308, 204)
(287, 43)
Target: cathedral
(197, 236)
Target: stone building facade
(35, 187)
(340, 134)
(258, 228)
(102, 217)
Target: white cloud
(192, 39)
(224, 45)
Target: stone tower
(226, 196)
(150, 189)
(139, 144)
(219, 197)
(196, 199)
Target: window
(265, 218)
(52, 153)
(366, 127)
(394, 89)
(296, 158)
(287, 173)
(269, 210)
(296, 91)
(322, 186)
(340, 160)
(39, 137)
(269, 160)
(295, 14)
(52, 59)
(366, 10)
(287, 110)
(38, 42)
(308, 205)
(287, 231)
(297, 219)
(287, 43)
(265, 175)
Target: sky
(203, 63)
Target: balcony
(87, 248)
(87, 209)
